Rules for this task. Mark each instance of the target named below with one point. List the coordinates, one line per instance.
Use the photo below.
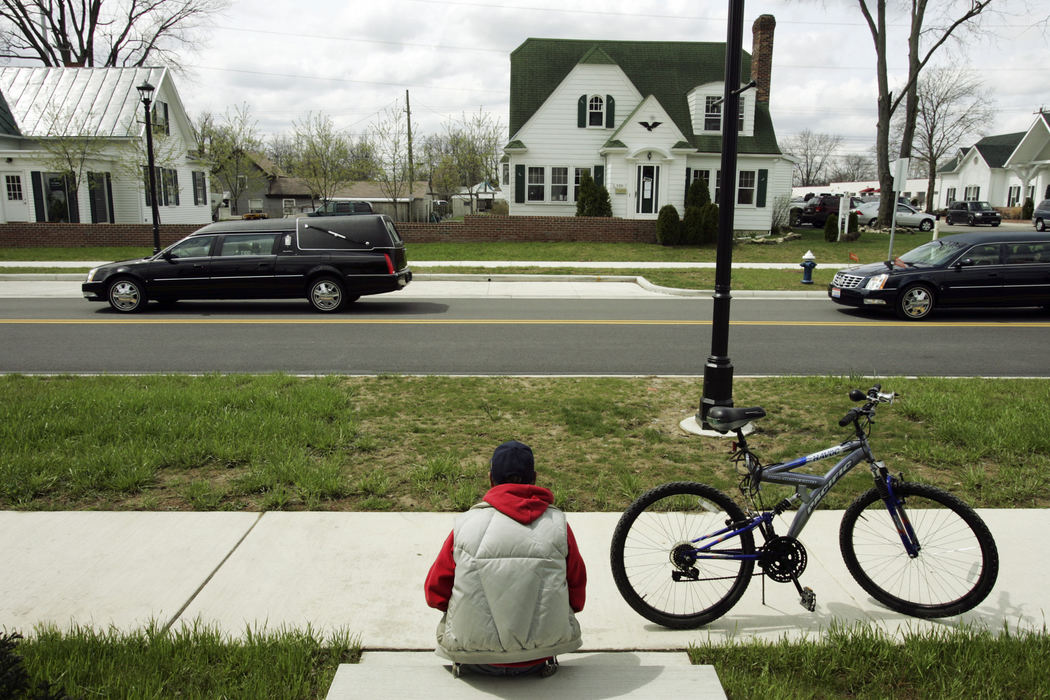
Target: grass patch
(864, 663)
(252, 443)
(196, 662)
(743, 279)
(870, 247)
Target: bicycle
(684, 553)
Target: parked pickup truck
(342, 207)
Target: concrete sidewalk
(364, 572)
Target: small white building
(644, 119)
(1002, 170)
(45, 111)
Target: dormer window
(596, 111)
(713, 114)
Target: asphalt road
(516, 336)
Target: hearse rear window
(317, 237)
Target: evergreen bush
(692, 226)
(668, 226)
(1027, 209)
(697, 195)
(831, 229)
(585, 200)
(602, 204)
(709, 224)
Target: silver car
(907, 215)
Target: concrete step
(581, 676)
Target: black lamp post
(718, 371)
(146, 94)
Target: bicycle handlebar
(874, 396)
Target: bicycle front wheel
(654, 562)
(956, 564)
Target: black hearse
(331, 261)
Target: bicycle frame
(809, 488)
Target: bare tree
(952, 105)
(280, 149)
(813, 152)
(923, 40)
(389, 135)
(853, 167)
(70, 147)
(102, 33)
(322, 156)
(231, 147)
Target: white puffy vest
(510, 599)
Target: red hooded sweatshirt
(524, 503)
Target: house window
(99, 196)
(170, 178)
(596, 112)
(559, 184)
(159, 118)
(255, 206)
(535, 188)
(200, 192)
(972, 193)
(951, 196)
(1013, 196)
(506, 173)
(288, 205)
(59, 198)
(705, 175)
(576, 187)
(14, 188)
(745, 193)
(713, 114)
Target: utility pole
(411, 169)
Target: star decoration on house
(649, 126)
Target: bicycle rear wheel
(956, 565)
(652, 544)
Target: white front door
(13, 196)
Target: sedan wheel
(126, 296)
(873, 223)
(969, 220)
(915, 303)
(926, 225)
(1040, 225)
(326, 295)
(948, 219)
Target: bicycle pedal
(809, 599)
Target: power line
(342, 80)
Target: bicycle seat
(726, 418)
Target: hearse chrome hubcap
(326, 296)
(125, 296)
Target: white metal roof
(76, 101)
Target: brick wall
(473, 229)
(31, 235)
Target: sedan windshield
(981, 206)
(933, 253)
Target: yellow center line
(504, 322)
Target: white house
(642, 117)
(47, 110)
(1002, 170)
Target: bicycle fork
(884, 485)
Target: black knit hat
(512, 462)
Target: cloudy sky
(353, 59)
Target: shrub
(603, 205)
(585, 200)
(692, 225)
(500, 207)
(1027, 209)
(831, 229)
(709, 224)
(697, 195)
(852, 229)
(668, 226)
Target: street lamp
(146, 94)
(718, 371)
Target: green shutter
(610, 112)
(599, 175)
(688, 176)
(760, 195)
(38, 195)
(519, 184)
(581, 112)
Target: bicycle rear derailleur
(783, 560)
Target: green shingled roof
(996, 149)
(8, 125)
(668, 70)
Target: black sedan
(971, 269)
(330, 262)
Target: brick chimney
(762, 55)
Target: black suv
(972, 213)
(331, 263)
(819, 207)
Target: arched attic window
(596, 111)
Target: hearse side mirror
(966, 262)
